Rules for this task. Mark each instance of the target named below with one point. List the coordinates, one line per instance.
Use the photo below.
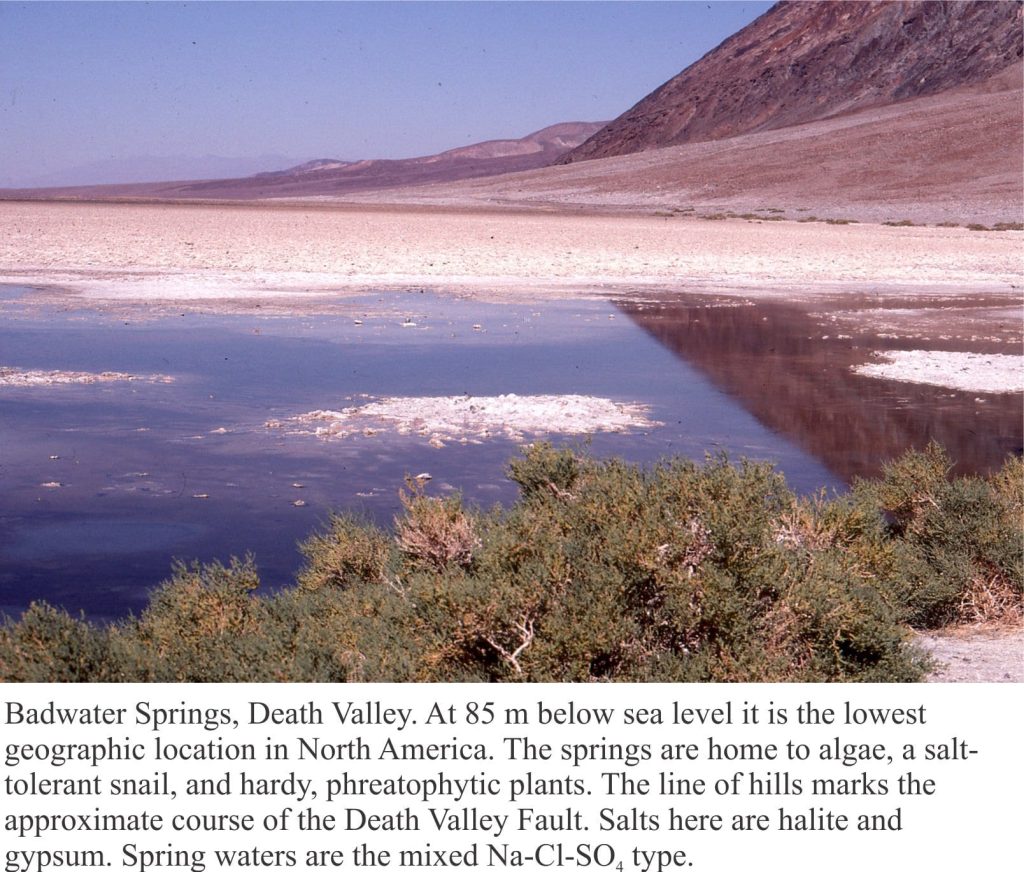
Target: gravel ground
(972, 655)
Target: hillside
(954, 156)
(802, 62)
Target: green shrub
(205, 625)
(959, 540)
(48, 644)
(349, 551)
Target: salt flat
(304, 257)
(120, 253)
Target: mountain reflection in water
(772, 358)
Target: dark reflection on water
(773, 358)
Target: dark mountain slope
(803, 62)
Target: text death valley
(348, 714)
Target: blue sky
(86, 82)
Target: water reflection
(102, 485)
(773, 358)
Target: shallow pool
(104, 485)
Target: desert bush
(958, 542)
(544, 469)
(204, 624)
(48, 644)
(349, 551)
(432, 532)
(605, 571)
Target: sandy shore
(975, 654)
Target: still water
(153, 472)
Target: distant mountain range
(802, 62)
(333, 177)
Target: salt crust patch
(464, 418)
(961, 370)
(12, 377)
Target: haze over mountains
(867, 110)
(334, 177)
(147, 167)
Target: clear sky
(86, 82)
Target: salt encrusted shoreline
(960, 370)
(224, 258)
(471, 419)
(14, 377)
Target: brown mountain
(802, 62)
(330, 177)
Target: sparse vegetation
(715, 216)
(841, 221)
(1002, 225)
(903, 222)
(601, 570)
(808, 218)
(947, 224)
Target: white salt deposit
(13, 377)
(964, 371)
(442, 419)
